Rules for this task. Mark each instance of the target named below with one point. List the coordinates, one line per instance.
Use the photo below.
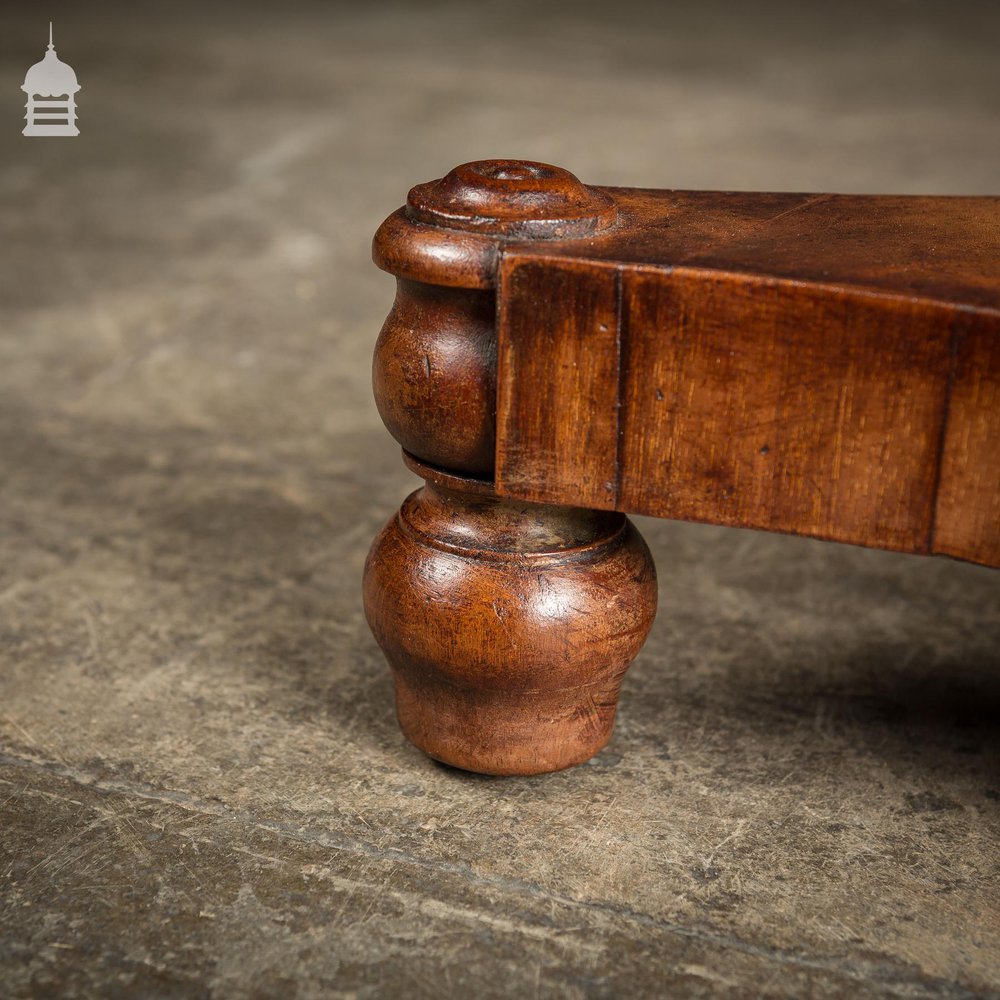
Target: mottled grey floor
(202, 787)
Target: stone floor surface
(203, 791)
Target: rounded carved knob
(434, 371)
(434, 375)
(512, 198)
(508, 626)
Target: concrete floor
(203, 791)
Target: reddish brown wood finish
(434, 374)
(508, 625)
(968, 502)
(941, 248)
(816, 364)
(844, 388)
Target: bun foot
(508, 625)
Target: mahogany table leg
(508, 626)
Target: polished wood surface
(508, 626)
(434, 374)
(823, 365)
(968, 496)
(560, 355)
(944, 248)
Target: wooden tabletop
(942, 248)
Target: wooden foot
(508, 626)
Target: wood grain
(941, 248)
(434, 374)
(967, 519)
(558, 396)
(749, 400)
(827, 428)
(560, 355)
(508, 626)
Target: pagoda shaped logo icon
(51, 86)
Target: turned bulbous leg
(508, 626)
